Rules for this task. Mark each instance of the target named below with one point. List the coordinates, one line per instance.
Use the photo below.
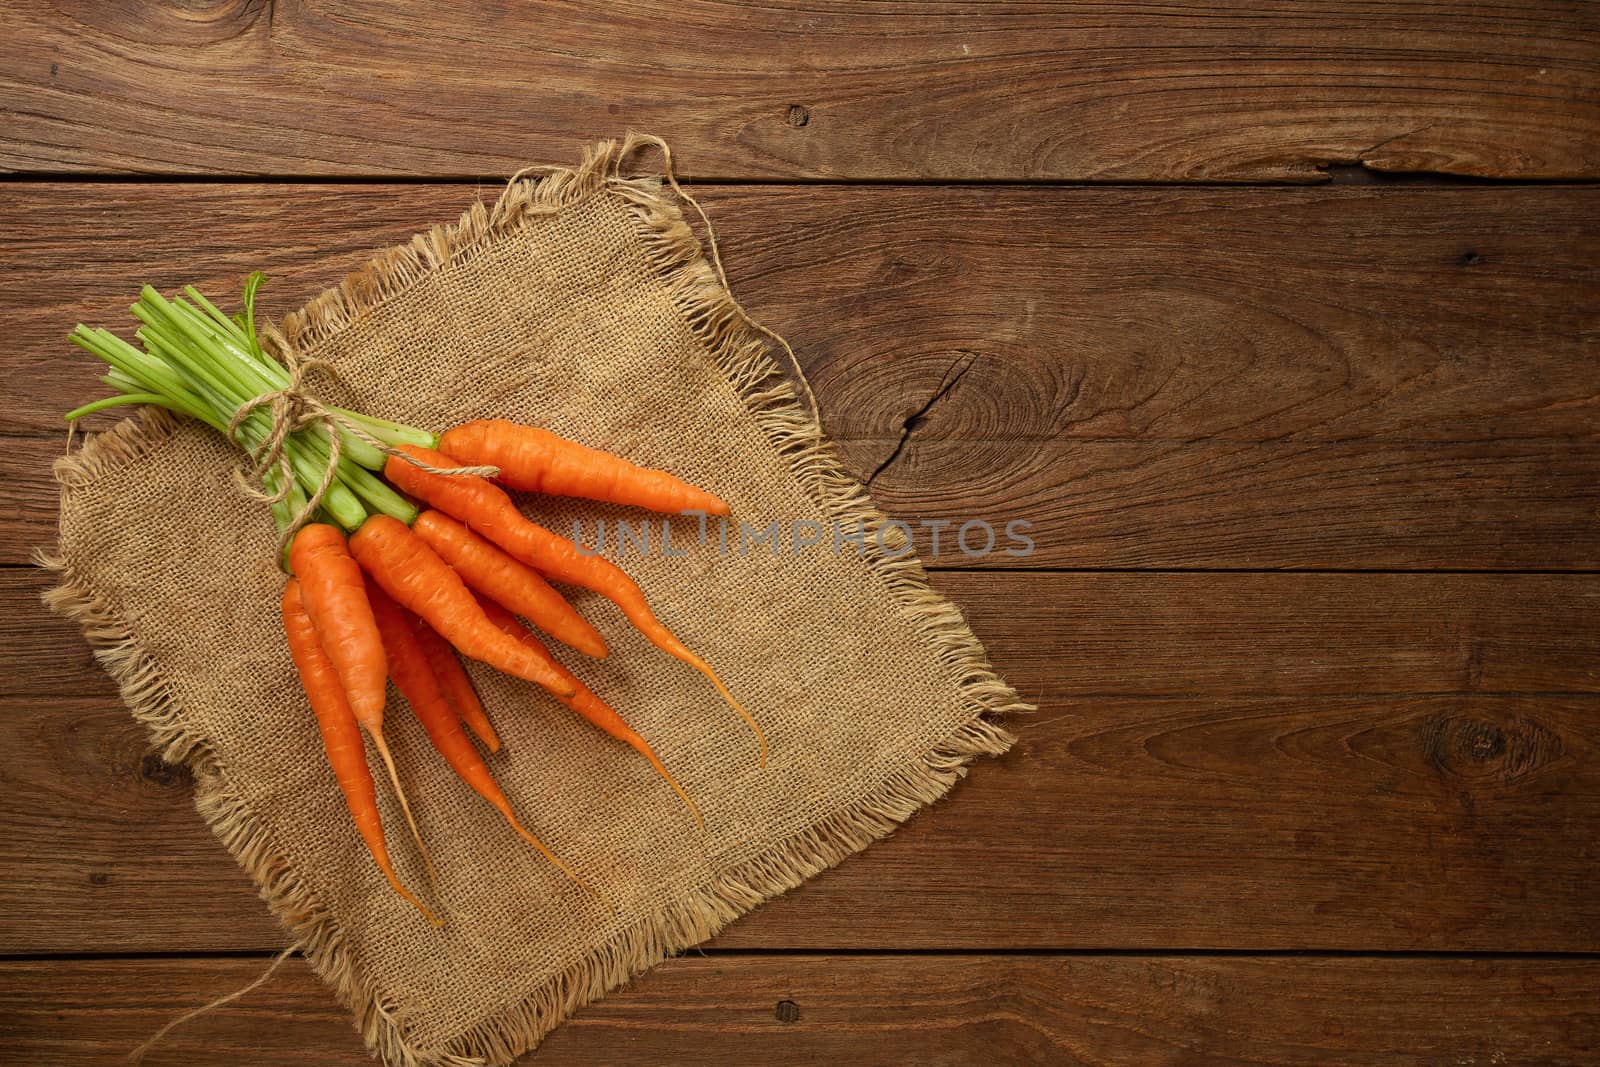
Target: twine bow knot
(292, 409)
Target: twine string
(292, 409)
(138, 1054)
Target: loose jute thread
(293, 408)
(633, 142)
(138, 1054)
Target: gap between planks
(1032, 952)
(1337, 175)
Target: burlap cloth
(581, 302)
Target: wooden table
(1278, 321)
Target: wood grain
(1163, 378)
(1164, 91)
(1219, 761)
(1097, 504)
(1324, 315)
(969, 1010)
(1370, 506)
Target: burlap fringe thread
(793, 431)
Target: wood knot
(99, 878)
(787, 1011)
(215, 7)
(155, 769)
(798, 116)
(1469, 258)
(1471, 748)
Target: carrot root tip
(527, 836)
(405, 807)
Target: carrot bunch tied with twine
(380, 588)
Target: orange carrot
(509, 582)
(336, 600)
(416, 682)
(538, 461)
(486, 509)
(341, 735)
(585, 703)
(409, 571)
(335, 597)
(457, 686)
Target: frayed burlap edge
(792, 430)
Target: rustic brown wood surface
(1313, 473)
(1166, 91)
(731, 1011)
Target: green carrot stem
(242, 346)
(192, 349)
(239, 331)
(222, 321)
(285, 510)
(195, 355)
(373, 491)
(200, 363)
(222, 397)
(223, 391)
(355, 450)
(281, 513)
(117, 401)
(297, 503)
(206, 333)
(340, 503)
(204, 380)
(392, 433)
(124, 357)
(297, 498)
(266, 374)
(250, 375)
(149, 374)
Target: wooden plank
(1175, 378)
(29, 521)
(1100, 504)
(1193, 779)
(1286, 315)
(881, 1009)
(1245, 315)
(1507, 505)
(1161, 91)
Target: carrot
(335, 597)
(416, 682)
(331, 587)
(538, 461)
(487, 510)
(585, 703)
(341, 735)
(507, 581)
(455, 683)
(410, 572)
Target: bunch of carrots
(401, 554)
